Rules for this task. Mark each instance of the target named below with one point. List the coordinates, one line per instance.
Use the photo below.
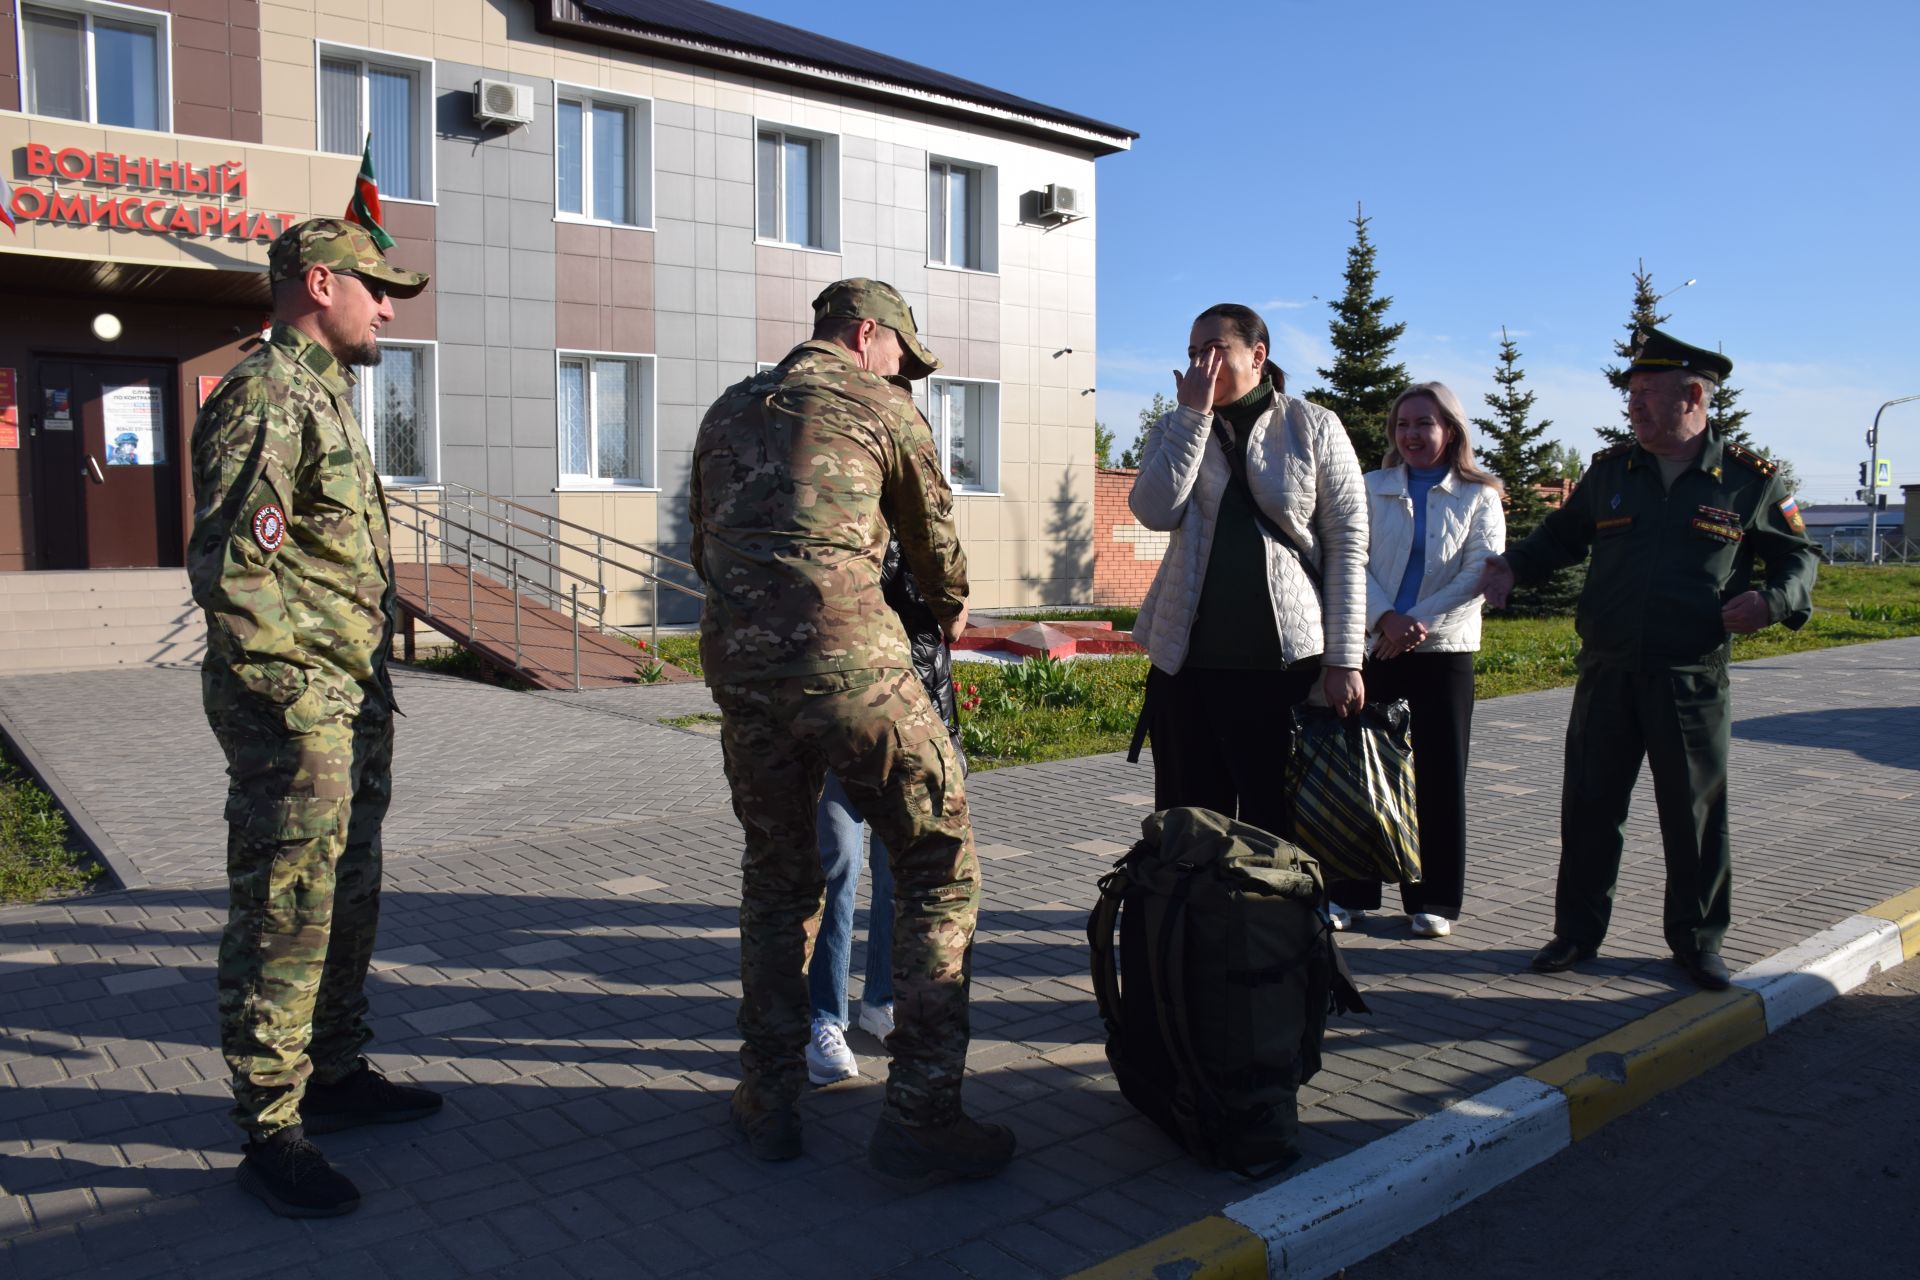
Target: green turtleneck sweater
(1233, 629)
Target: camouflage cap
(338, 245)
(863, 299)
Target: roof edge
(569, 20)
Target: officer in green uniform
(291, 561)
(1674, 523)
(800, 475)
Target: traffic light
(1863, 475)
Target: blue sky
(1516, 160)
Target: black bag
(1352, 782)
(1226, 974)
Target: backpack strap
(1346, 994)
(1100, 926)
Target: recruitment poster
(136, 435)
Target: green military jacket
(1665, 561)
(799, 473)
(290, 555)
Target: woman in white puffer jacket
(1262, 495)
(1436, 520)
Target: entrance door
(107, 465)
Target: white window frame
(87, 10)
(827, 184)
(648, 368)
(985, 215)
(423, 70)
(430, 413)
(934, 410)
(639, 156)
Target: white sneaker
(1430, 926)
(828, 1058)
(1341, 918)
(877, 1020)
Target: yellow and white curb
(1338, 1213)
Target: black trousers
(1221, 740)
(1438, 688)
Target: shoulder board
(1613, 451)
(1741, 453)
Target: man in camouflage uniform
(291, 561)
(798, 474)
(1673, 522)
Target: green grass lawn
(35, 861)
(1055, 711)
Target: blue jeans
(839, 828)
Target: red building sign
(213, 215)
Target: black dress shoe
(1706, 968)
(1560, 955)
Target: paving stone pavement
(559, 955)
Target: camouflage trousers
(303, 873)
(877, 730)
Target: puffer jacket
(1304, 477)
(1465, 529)
(932, 659)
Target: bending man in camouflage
(798, 472)
(290, 559)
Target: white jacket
(1465, 528)
(1301, 469)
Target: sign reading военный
(143, 213)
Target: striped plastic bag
(1352, 787)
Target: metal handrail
(460, 500)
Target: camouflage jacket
(290, 554)
(799, 473)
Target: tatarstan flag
(364, 208)
(6, 205)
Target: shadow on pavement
(1885, 735)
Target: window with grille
(387, 97)
(605, 406)
(395, 403)
(105, 64)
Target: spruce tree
(1363, 381)
(1643, 317)
(1514, 451)
(1521, 458)
(1724, 418)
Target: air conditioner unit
(502, 102)
(1060, 202)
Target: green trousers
(878, 732)
(1680, 723)
(303, 874)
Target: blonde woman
(1435, 520)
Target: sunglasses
(376, 289)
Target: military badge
(1718, 523)
(1617, 524)
(269, 527)
(1791, 510)
(1615, 504)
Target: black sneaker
(966, 1147)
(772, 1135)
(294, 1180)
(365, 1097)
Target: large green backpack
(1225, 976)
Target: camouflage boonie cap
(338, 245)
(863, 299)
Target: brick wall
(1126, 555)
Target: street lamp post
(1873, 480)
(1677, 288)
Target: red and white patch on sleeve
(269, 527)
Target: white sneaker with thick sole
(1430, 926)
(877, 1020)
(1341, 918)
(828, 1058)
